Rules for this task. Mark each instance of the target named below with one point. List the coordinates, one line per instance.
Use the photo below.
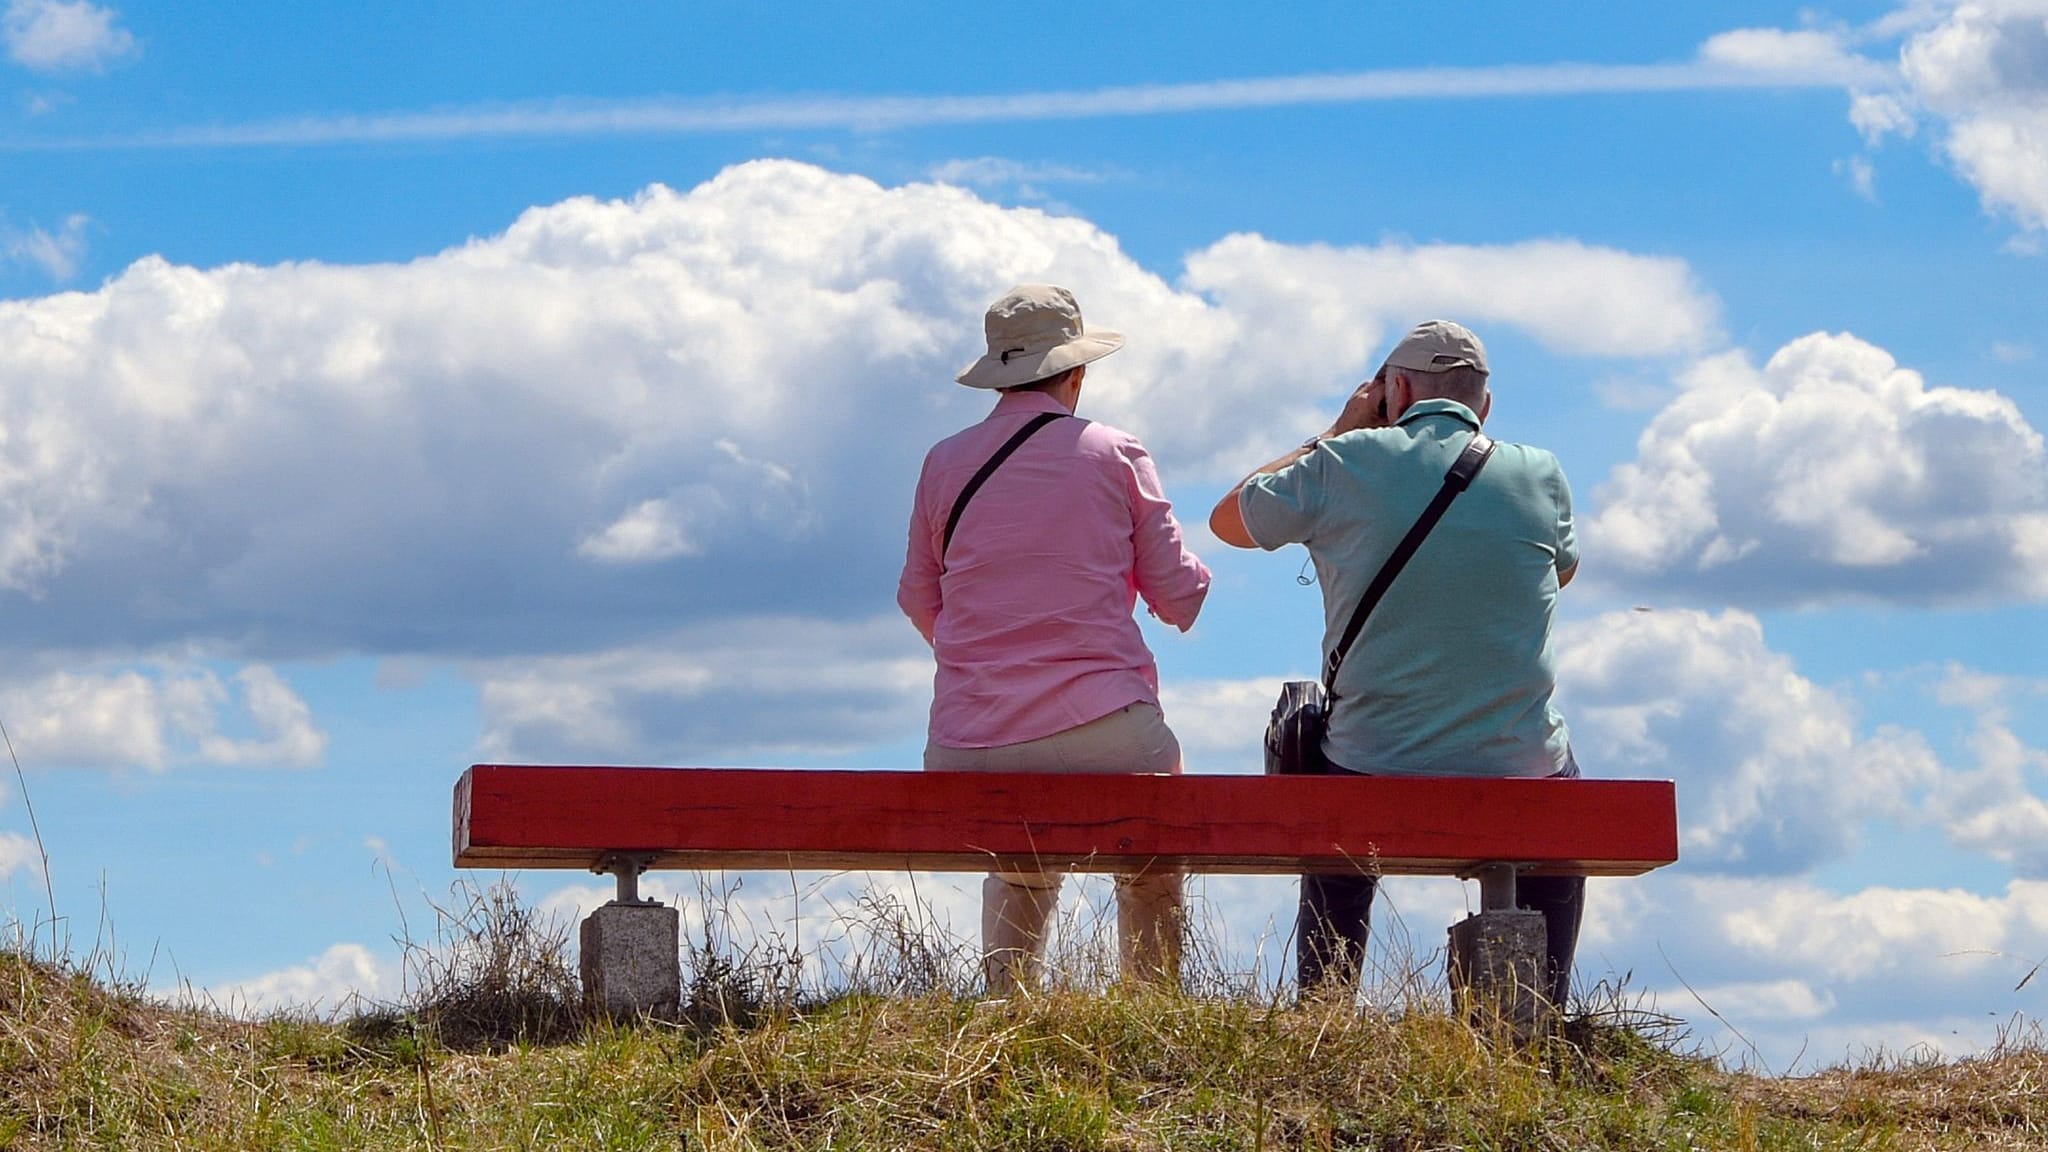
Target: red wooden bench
(625, 820)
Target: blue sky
(384, 388)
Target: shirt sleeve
(917, 590)
(1281, 507)
(1172, 581)
(1567, 538)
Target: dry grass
(898, 1055)
(1998, 1100)
(496, 974)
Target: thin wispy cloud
(671, 116)
(57, 253)
(997, 171)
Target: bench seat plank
(523, 816)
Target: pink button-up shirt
(1030, 613)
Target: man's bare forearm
(1226, 522)
(1366, 408)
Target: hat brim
(991, 372)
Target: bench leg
(632, 961)
(1497, 970)
(1497, 957)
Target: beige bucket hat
(1035, 331)
(1437, 346)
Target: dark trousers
(1336, 909)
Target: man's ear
(1400, 394)
(1485, 404)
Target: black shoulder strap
(1015, 442)
(1477, 451)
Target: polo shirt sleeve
(1567, 538)
(1284, 506)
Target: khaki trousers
(1017, 907)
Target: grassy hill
(86, 1063)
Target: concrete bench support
(632, 961)
(631, 949)
(1496, 958)
(1496, 964)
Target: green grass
(490, 1051)
(85, 1064)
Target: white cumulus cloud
(650, 530)
(1769, 1000)
(2006, 157)
(738, 689)
(1829, 473)
(1773, 773)
(18, 853)
(1221, 724)
(622, 416)
(1813, 975)
(341, 978)
(1886, 931)
(154, 715)
(1996, 807)
(1976, 72)
(1982, 68)
(1649, 305)
(62, 35)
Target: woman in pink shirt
(1025, 587)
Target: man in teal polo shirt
(1453, 672)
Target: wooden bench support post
(1497, 958)
(631, 949)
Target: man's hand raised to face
(1367, 408)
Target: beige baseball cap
(1437, 346)
(1035, 331)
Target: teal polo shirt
(1454, 672)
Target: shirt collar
(1013, 402)
(1438, 407)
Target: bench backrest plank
(520, 816)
